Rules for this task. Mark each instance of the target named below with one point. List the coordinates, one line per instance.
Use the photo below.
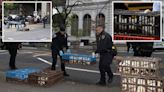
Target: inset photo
(26, 21)
(137, 21)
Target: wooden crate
(142, 84)
(15, 80)
(139, 66)
(45, 78)
(118, 58)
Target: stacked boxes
(138, 66)
(78, 59)
(140, 74)
(45, 78)
(142, 84)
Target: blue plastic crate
(21, 74)
(70, 56)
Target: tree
(60, 20)
(10, 6)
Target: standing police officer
(12, 48)
(59, 42)
(104, 48)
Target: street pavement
(36, 33)
(82, 78)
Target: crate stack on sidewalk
(140, 74)
(34, 76)
(20, 75)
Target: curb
(1, 51)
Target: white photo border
(161, 30)
(40, 40)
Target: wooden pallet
(45, 78)
(15, 80)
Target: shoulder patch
(103, 37)
(65, 35)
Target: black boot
(63, 69)
(13, 68)
(65, 74)
(53, 68)
(101, 83)
(110, 80)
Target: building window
(87, 25)
(100, 20)
(74, 25)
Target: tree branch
(71, 7)
(59, 12)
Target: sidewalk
(36, 32)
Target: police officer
(59, 42)
(104, 48)
(44, 21)
(12, 48)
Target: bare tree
(66, 10)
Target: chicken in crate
(140, 74)
(142, 84)
(139, 66)
(136, 25)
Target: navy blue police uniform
(59, 42)
(104, 48)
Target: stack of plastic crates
(140, 74)
(20, 75)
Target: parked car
(159, 45)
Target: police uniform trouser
(54, 57)
(13, 53)
(104, 66)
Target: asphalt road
(82, 78)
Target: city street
(82, 78)
(36, 33)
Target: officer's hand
(61, 52)
(19, 46)
(68, 51)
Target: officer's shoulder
(57, 33)
(105, 34)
